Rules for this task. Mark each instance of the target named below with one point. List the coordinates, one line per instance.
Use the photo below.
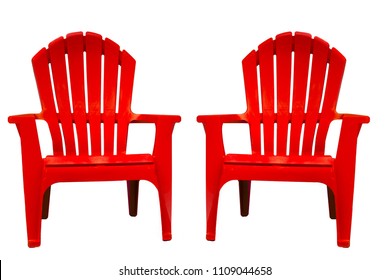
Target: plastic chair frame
(93, 155)
(296, 154)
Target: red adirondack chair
(294, 150)
(88, 124)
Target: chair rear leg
(331, 204)
(132, 196)
(46, 204)
(245, 192)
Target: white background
(189, 63)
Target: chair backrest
(292, 85)
(85, 86)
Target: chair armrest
(30, 147)
(149, 118)
(346, 150)
(212, 124)
(17, 119)
(162, 150)
(355, 118)
(228, 118)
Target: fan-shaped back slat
(249, 65)
(284, 46)
(94, 50)
(61, 89)
(302, 47)
(111, 62)
(125, 95)
(266, 62)
(75, 49)
(317, 78)
(335, 75)
(42, 77)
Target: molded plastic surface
(88, 112)
(288, 117)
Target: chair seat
(99, 160)
(256, 159)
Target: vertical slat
(59, 70)
(266, 63)
(111, 62)
(125, 95)
(94, 50)
(335, 75)
(40, 64)
(320, 57)
(249, 66)
(283, 44)
(302, 46)
(75, 47)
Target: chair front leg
(212, 198)
(344, 204)
(32, 164)
(345, 178)
(165, 197)
(163, 155)
(214, 162)
(33, 203)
